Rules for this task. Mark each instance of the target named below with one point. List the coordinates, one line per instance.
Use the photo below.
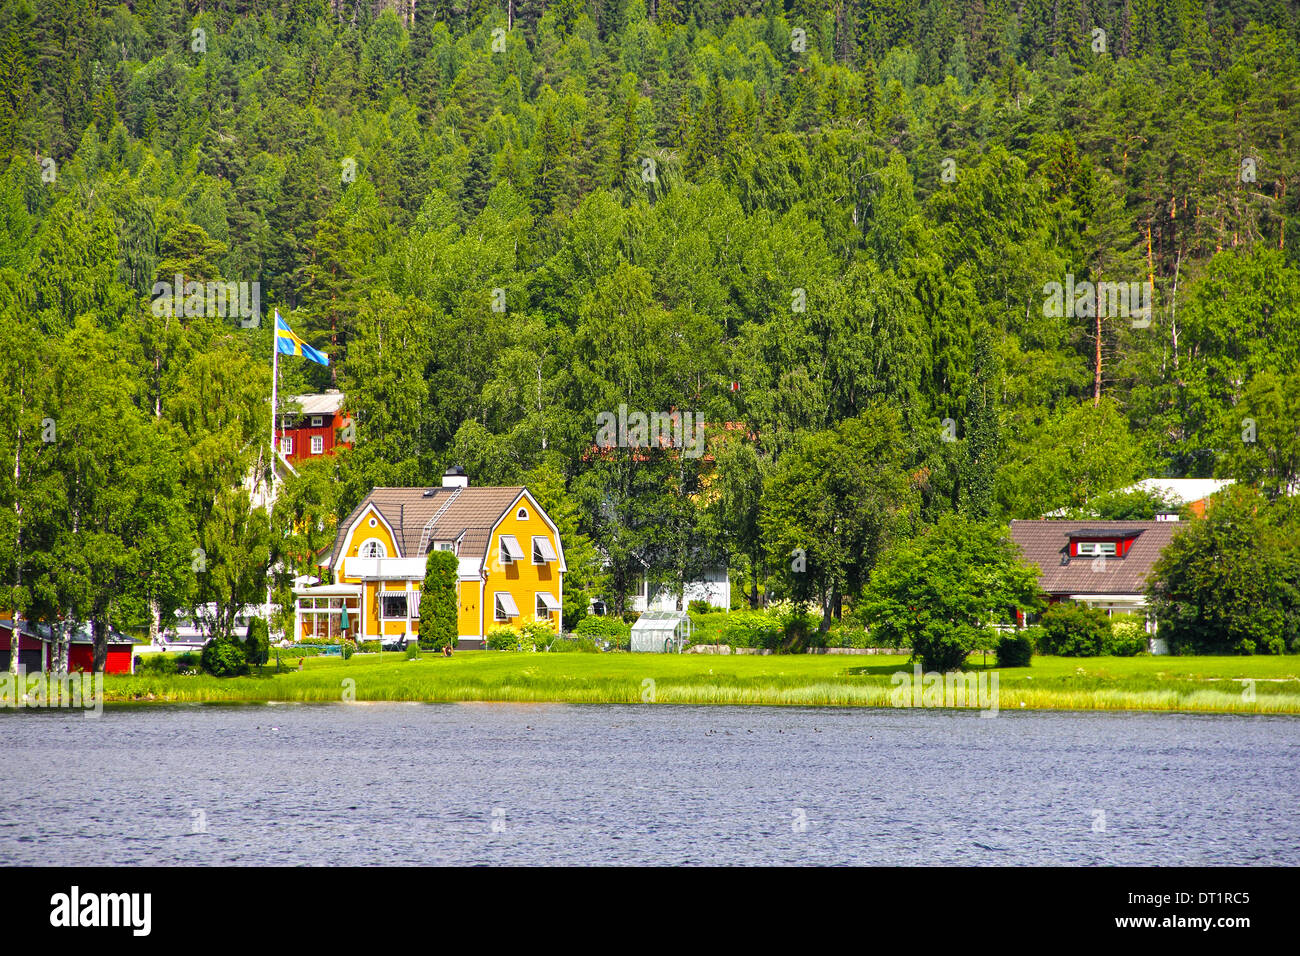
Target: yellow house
(511, 563)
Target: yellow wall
(467, 618)
(522, 579)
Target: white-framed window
(522, 514)
(542, 550)
(286, 444)
(392, 606)
(372, 548)
(504, 607)
(509, 550)
(445, 546)
(1092, 549)
(545, 605)
(317, 421)
(317, 444)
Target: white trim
(555, 532)
(318, 444)
(370, 511)
(383, 549)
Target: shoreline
(1242, 685)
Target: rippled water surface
(551, 783)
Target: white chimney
(455, 477)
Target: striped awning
(387, 594)
(507, 604)
(543, 547)
(548, 599)
(510, 544)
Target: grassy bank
(1210, 684)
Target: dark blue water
(552, 783)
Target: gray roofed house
(1104, 564)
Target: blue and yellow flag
(289, 344)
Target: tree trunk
(1096, 378)
(99, 627)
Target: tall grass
(1154, 684)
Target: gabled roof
(326, 403)
(466, 514)
(1046, 544)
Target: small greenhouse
(661, 632)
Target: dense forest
(830, 232)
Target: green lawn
(1099, 683)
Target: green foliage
(1230, 582)
(939, 593)
(604, 629)
(1015, 649)
(798, 237)
(413, 652)
(224, 657)
(348, 649)
(438, 604)
(532, 636)
(257, 642)
(1075, 630)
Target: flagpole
(270, 501)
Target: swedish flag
(289, 344)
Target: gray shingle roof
(1046, 544)
(472, 513)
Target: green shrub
(1037, 637)
(701, 607)
(413, 652)
(503, 637)
(157, 664)
(752, 629)
(257, 642)
(349, 648)
(438, 627)
(601, 630)
(1075, 630)
(370, 647)
(1015, 650)
(1128, 635)
(944, 647)
(224, 657)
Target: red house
(37, 648)
(310, 426)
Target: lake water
(559, 784)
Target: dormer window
(372, 548)
(1100, 542)
(1095, 549)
